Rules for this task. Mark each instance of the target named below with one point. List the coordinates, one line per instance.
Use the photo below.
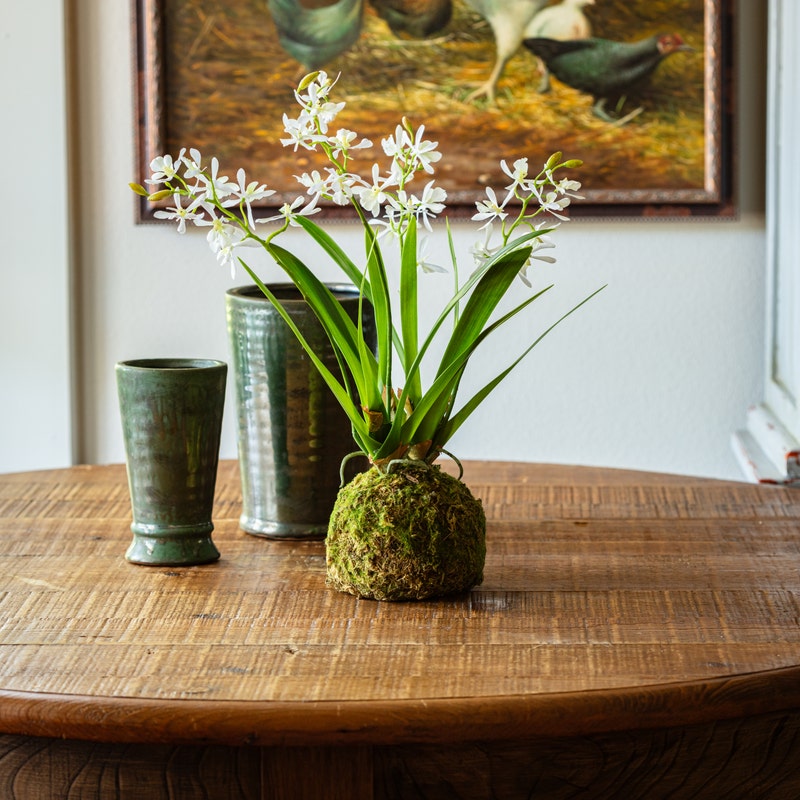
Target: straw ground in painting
(229, 81)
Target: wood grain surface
(615, 604)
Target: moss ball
(412, 534)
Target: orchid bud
(309, 79)
(160, 195)
(552, 162)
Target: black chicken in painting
(414, 18)
(564, 21)
(605, 69)
(315, 34)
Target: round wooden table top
(612, 600)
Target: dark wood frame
(715, 198)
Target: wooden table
(636, 636)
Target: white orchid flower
(246, 194)
(345, 141)
(490, 209)
(180, 213)
(423, 153)
(422, 257)
(482, 251)
(372, 195)
(164, 169)
(430, 204)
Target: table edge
(385, 722)
(449, 465)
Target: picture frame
(214, 75)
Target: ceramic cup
(293, 434)
(171, 411)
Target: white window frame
(768, 449)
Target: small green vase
(171, 413)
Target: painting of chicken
(470, 70)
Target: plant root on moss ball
(413, 534)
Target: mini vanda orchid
(392, 418)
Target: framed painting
(647, 112)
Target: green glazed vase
(171, 413)
(292, 432)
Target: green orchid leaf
(440, 397)
(488, 292)
(337, 255)
(409, 322)
(338, 326)
(343, 261)
(452, 306)
(381, 304)
(458, 419)
(340, 393)
(454, 263)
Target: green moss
(409, 535)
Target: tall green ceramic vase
(293, 434)
(171, 413)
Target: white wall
(35, 337)
(654, 374)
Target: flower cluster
(390, 418)
(545, 191)
(382, 199)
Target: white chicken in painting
(509, 20)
